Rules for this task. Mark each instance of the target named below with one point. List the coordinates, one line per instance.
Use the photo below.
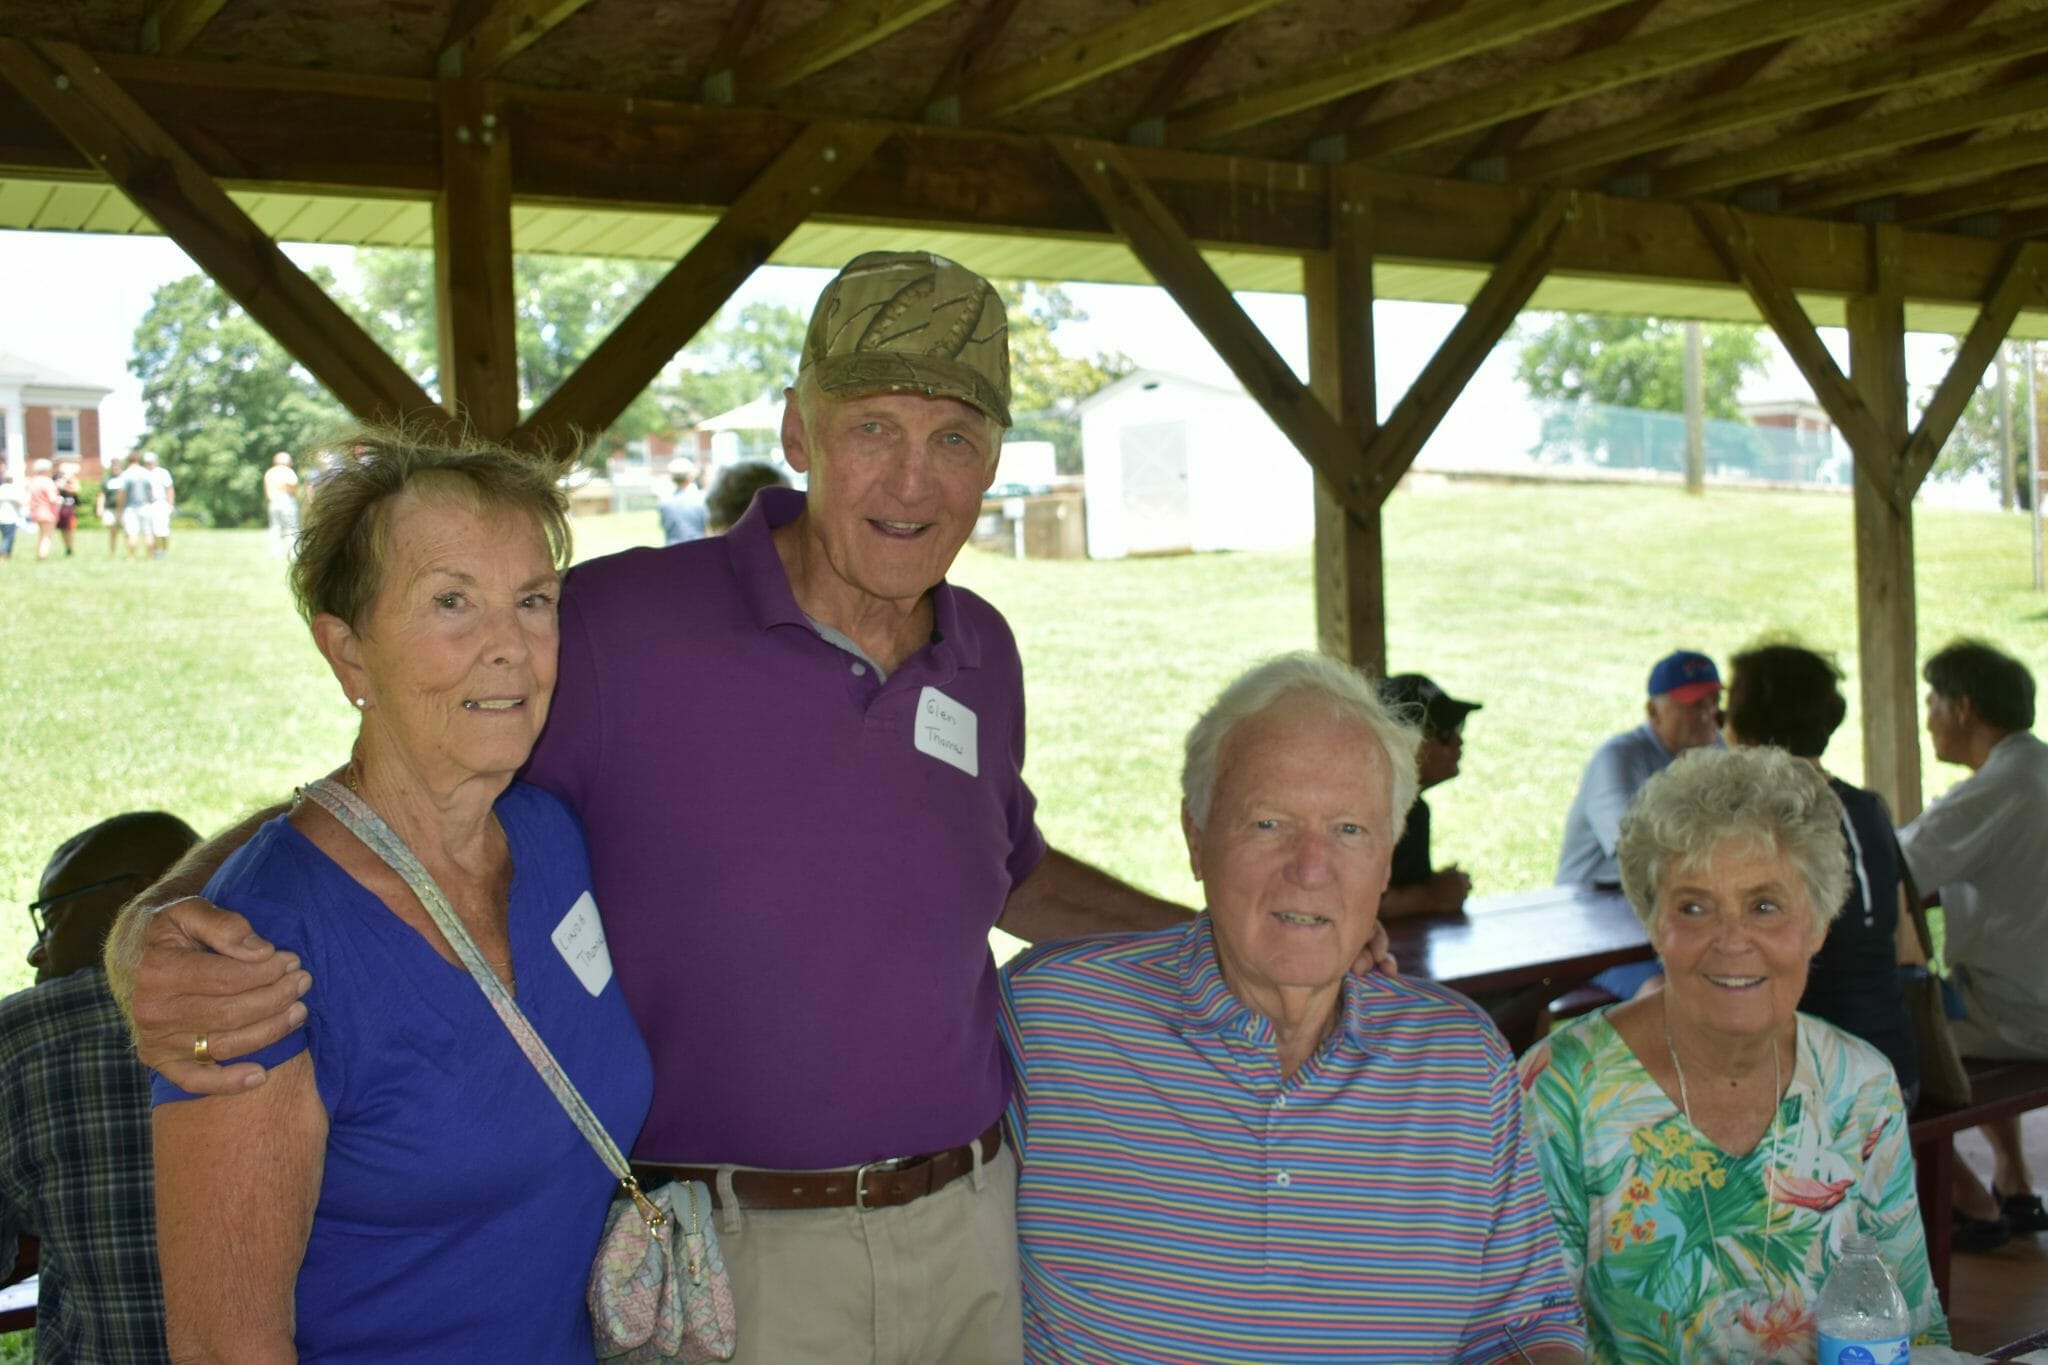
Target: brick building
(46, 414)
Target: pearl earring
(361, 702)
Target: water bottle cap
(1859, 1244)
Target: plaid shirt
(75, 1171)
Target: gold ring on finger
(200, 1054)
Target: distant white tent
(763, 414)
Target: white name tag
(579, 938)
(945, 729)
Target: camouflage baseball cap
(911, 322)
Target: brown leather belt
(877, 1185)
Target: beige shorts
(931, 1282)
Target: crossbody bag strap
(357, 817)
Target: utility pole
(2008, 479)
(2034, 459)
(1695, 416)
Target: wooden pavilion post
(1350, 583)
(1891, 461)
(473, 292)
(1886, 635)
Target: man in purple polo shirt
(798, 895)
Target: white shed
(1176, 464)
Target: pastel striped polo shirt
(1180, 1201)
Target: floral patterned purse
(658, 1288)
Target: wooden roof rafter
(1474, 27)
(1919, 174)
(1865, 136)
(1144, 33)
(1592, 156)
(500, 32)
(842, 32)
(1999, 195)
(968, 58)
(1670, 49)
(172, 25)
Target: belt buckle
(860, 1175)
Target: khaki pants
(932, 1282)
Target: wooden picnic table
(1523, 949)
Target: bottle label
(1838, 1351)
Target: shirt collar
(1208, 1005)
(765, 583)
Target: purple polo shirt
(796, 897)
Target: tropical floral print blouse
(1683, 1253)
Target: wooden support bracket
(69, 88)
(799, 181)
(2018, 282)
(1728, 234)
(1487, 318)
(1172, 257)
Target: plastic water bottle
(1862, 1314)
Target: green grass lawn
(189, 684)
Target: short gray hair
(1763, 796)
(1348, 694)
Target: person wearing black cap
(74, 1106)
(1415, 886)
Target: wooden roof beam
(1867, 135)
(1353, 109)
(1486, 320)
(2014, 190)
(807, 174)
(1584, 157)
(1148, 123)
(2019, 279)
(1137, 215)
(845, 30)
(1143, 33)
(70, 89)
(941, 103)
(171, 26)
(1949, 166)
(1728, 232)
(320, 132)
(1612, 27)
(503, 31)
(1649, 57)
(1475, 27)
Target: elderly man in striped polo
(1233, 1149)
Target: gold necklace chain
(1771, 1161)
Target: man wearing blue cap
(1684, 712)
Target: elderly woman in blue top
(1231, 1149)
(403, 1185)
(1706, 1148)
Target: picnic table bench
(1998, 1089)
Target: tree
(220, 398)
(1580, 359)
(742, 356)
(1046, 383)
(1975, 446)
(563, 306)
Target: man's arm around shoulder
(1066, 898)
(181, 969)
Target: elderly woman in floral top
(1706, 1147)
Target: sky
(74, 300)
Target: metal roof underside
(70, 206)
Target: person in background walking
(67, 504)
(138, 490)
(42, 505)
(160, 506)
(281, 495)
(13, 510)
(107, 507)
